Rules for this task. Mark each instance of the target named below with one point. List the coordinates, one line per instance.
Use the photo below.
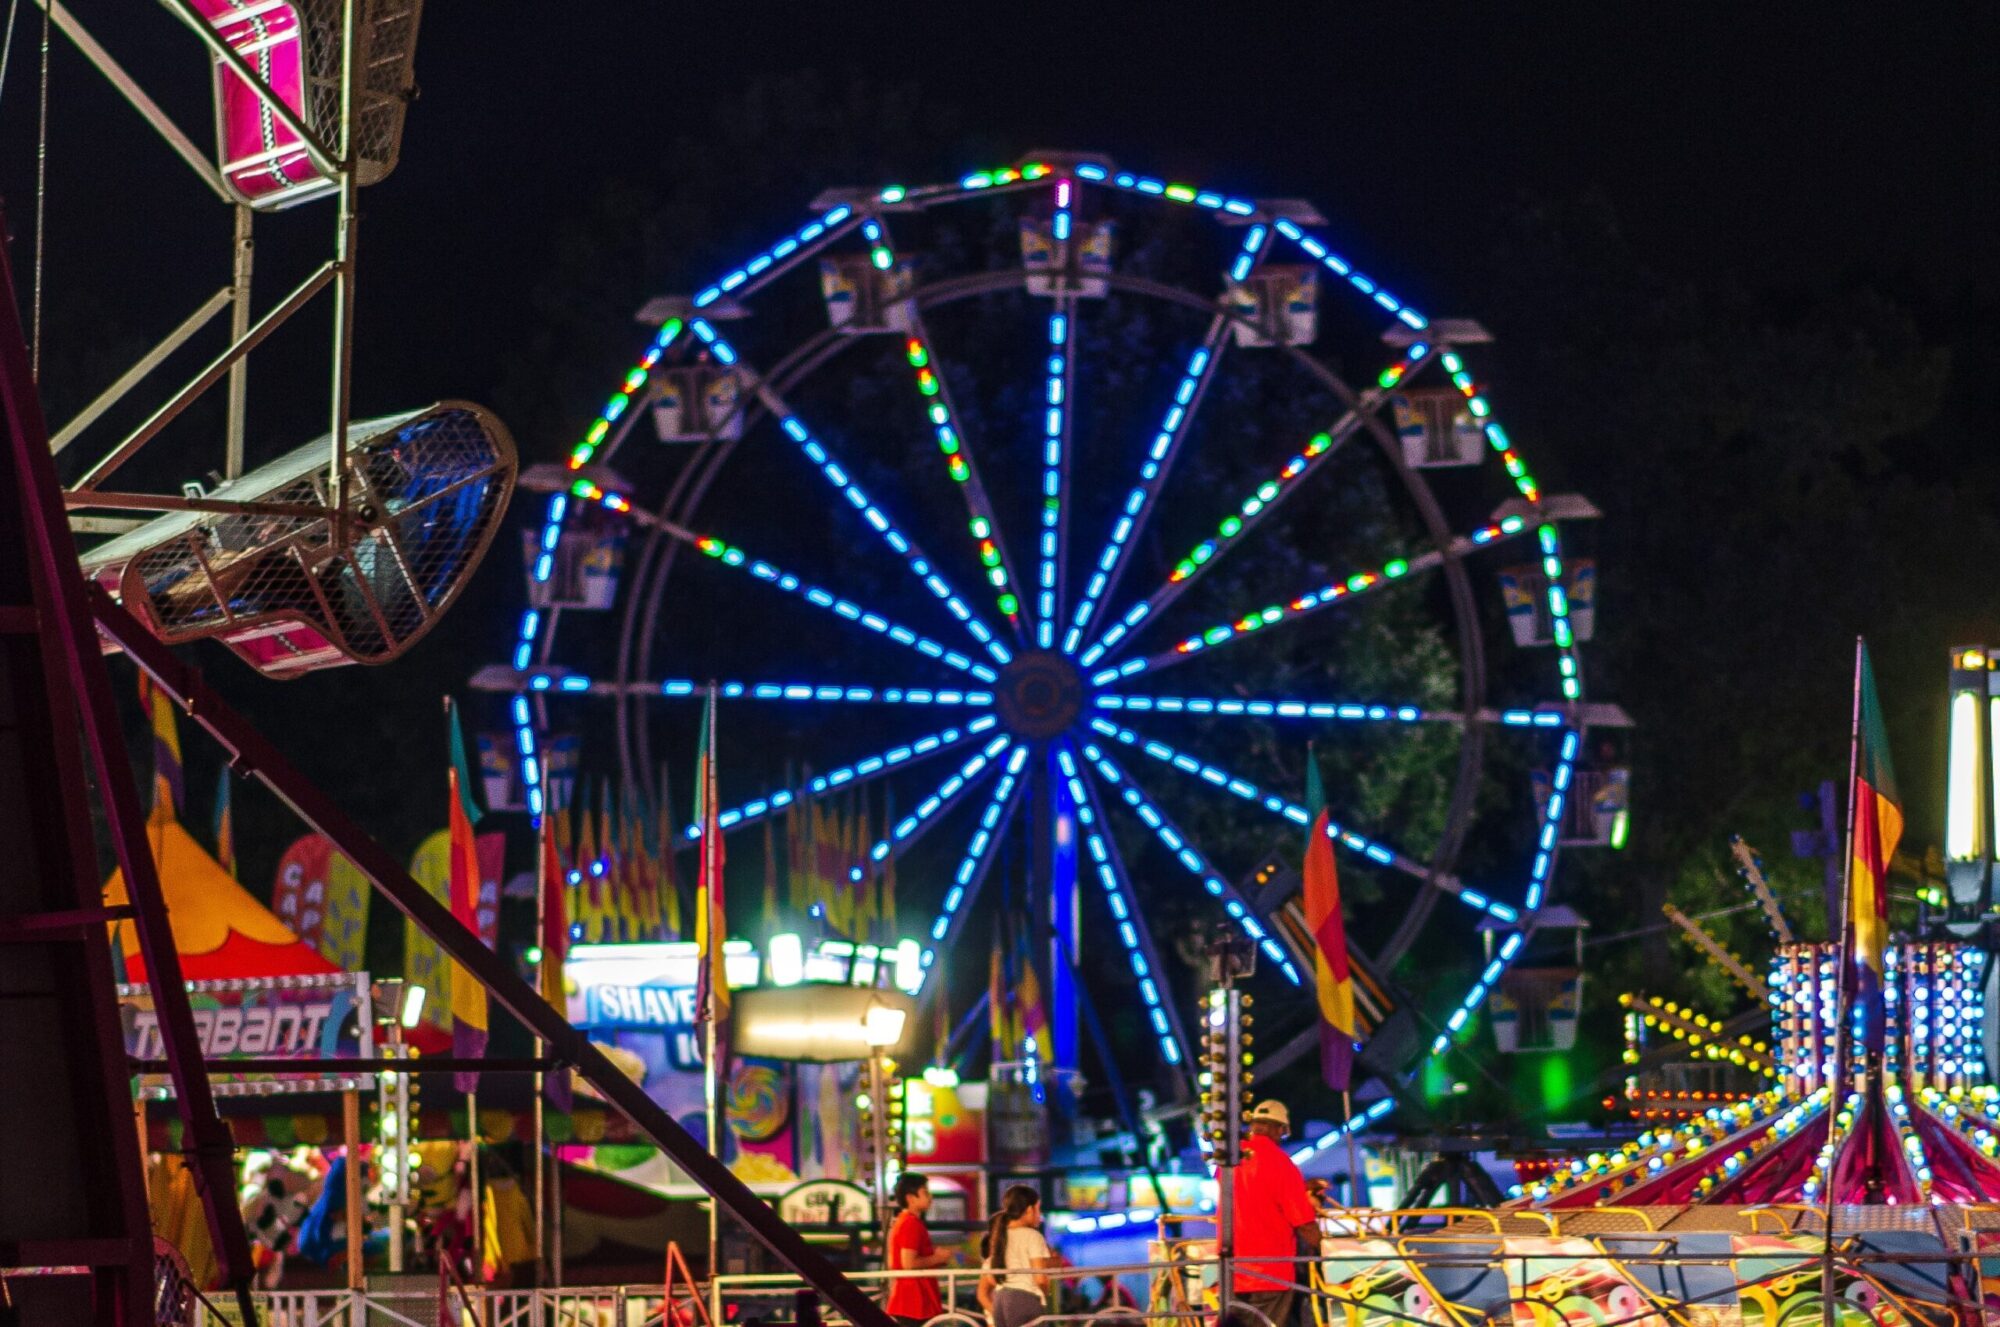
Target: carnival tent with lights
(220, 929)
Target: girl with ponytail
(1013, 1284)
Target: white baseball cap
(1271, 1112)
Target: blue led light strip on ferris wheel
(730, 555)
(1538, 876)
(783, 249)
(1348, 711)
(795, 429)
(1152, 475)
(972, 867)
(931, 806)
(1055, 428)
(680, 687)
(1292, 811)
(1197, 866)
(813, 233)
(859, 771)
(1124, 909)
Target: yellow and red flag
(1877, 810)
(468, 997)
(168, 789)
(1332, 982)
(711, 924)
(554, 939)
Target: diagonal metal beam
(128, 87)
(151, 360)
(59, 591)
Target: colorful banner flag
(225, 825)
(468, 997)
(323, 898)
(168, 789)
(1332, 982)
(711, 924)
(999, 1014)
(424, 964)
(554, 942)
(1877, 813)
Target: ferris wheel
(1051, 496)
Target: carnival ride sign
(312, 1019)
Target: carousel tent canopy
(220, 930)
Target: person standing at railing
(1013, 1285)
(1275, 1216)
(913, 1299)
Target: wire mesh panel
(293, 591)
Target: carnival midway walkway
(1909, 1266)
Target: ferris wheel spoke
(815, 451)
(1188, 396)
(1129, 921)
(905, 832)
(679, 688)
(730, 555)
(1313, 601)
(978, 859)
(847, 776)
(1197, 865)
(1375, 851)
(946, 424)
(1341, 711)
(1262, 501)
(1057, 409)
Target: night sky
(1780, 148)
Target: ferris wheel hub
(1039, 695)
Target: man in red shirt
(913, 1299)
(1275, 1216)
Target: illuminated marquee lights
(795, 429)
(1124, 909)
(859, 771)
